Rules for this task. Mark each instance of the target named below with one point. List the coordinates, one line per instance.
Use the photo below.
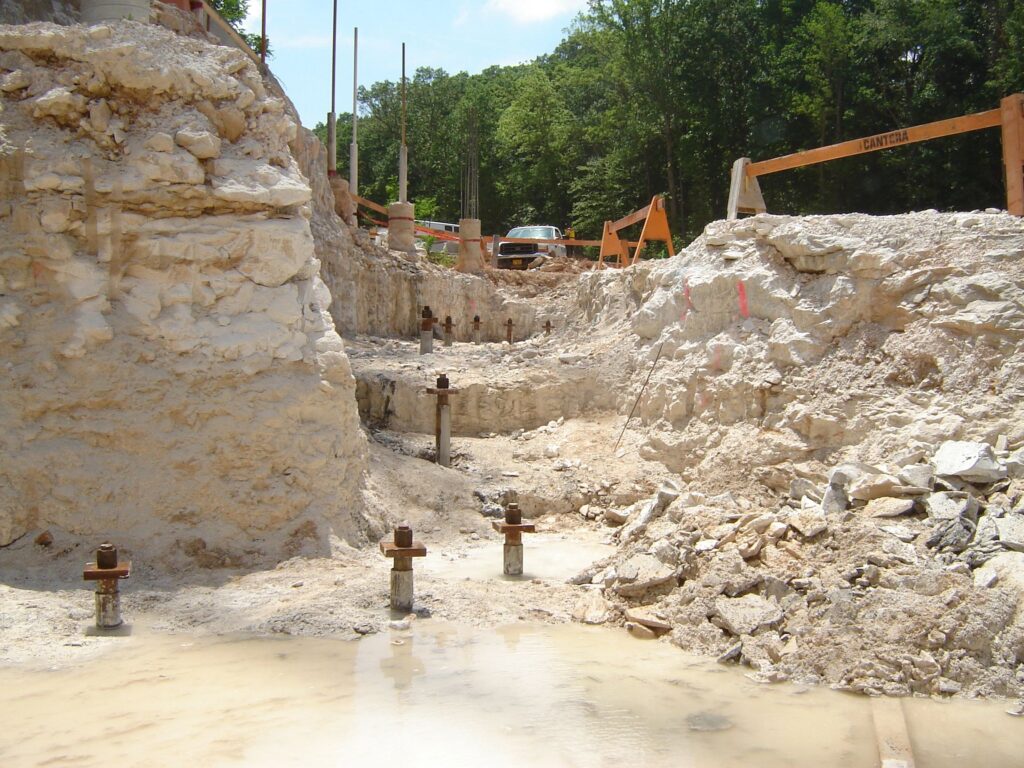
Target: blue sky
(456, 36)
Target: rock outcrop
(787, 339)
(842, 399)
(175, 378)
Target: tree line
(646, 97)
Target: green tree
(234, 12)
(534, 137)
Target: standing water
(443, 695)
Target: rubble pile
(897, 578)
(562, 264)
(838, 400)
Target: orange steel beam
(897, 138)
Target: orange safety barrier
(655, 228)
(370, 204)
(436, 233)
(745, 191)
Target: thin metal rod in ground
(646, 382)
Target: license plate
(517, 262)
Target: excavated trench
(751, 302)
(500, 389)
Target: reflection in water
(402, 666)
(451, 696)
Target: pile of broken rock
(883, 579)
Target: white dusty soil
(47, 610)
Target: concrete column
(444, 447)
(402, 585)
(513, 559)
(401, 227)
(470, 256)
(108, 604)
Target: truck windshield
(535, 233)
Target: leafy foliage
(646, 97)
(234, 13)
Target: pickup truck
(519, 255)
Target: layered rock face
(787, 338)
(174, 374)
(382, 293)
(24, 11)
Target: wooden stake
(1012, 111)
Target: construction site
(276, 488)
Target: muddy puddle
(441, 695)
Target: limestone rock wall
(381, 293)
(24, 11)
(801, 338)
(174, 377)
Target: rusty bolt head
(106, 555)
(513, 515)
(403, 535)
(442, 381)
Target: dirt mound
(789, 352)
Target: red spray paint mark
(716, 359)
(744, 308)
(689, 301)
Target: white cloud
(253, 21)
(524, 11)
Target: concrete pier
(449, 328)
(471, 258)
(402, 549)
(107, 571)
(443, 420)
(401, 227)
(513, 562)
(444, 443)
(513, 528)
(427, 321)
(402, 584)
(108, 605)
